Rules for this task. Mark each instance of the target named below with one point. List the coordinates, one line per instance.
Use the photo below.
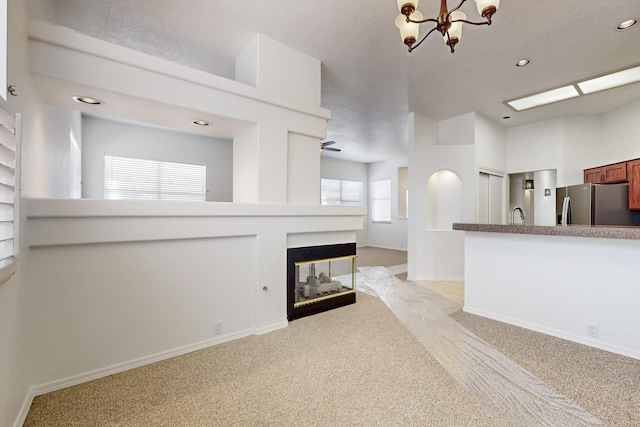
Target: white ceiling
(369, 80)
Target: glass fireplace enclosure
(320, 278)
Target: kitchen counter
(578, 283)
(602, 232)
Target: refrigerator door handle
(565, 210)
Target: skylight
(585, 87)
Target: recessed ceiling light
(522, 63)
(627, 24)
(87, 100)
(621, 78)
(544, 98)
(201, 123)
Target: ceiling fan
(325, 146)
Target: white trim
(436, 279)
(136, 363)
(555, 333)
(270, 328)
(490, 171)
(384, 247)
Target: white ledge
(77, 208)
(65, 37)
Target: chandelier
(448, 23)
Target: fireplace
(320, 278)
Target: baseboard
(436, 279)
(24, 409)
(121, 367)
(384, 247)
(556, 333)
(125, 366)
(271, 328)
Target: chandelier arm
(487, 22)
(421, 40)
(423, 21)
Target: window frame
(376, 198)
(341, 201)
(162, 188)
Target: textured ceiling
(369, 80)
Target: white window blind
(141, 179)
(337, 192)
(9, 142)
(381, 201)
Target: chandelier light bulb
(447, 22)
(486, 8)
(406, 7)
(409, 31)
(454, 34)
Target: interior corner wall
(272, 66)
(102, 137)
(245, 166)
(303, 170)
(459, 130)
(619, 137)
(582, 139)
(344, 170)
(536, 146)
(37, 165)
(572, 144)
(423, 134)
(491, 144)
(392, 235)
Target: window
(381, 201)
(9, 187)
(128, 178)
(345, 193)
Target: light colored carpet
(603, 383)
(356, 365)
(370, 256)
(353, 366)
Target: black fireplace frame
(310, 253)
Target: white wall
(102, 137)
(436, 146)
(557, 285)
(490, 140)
(40, 176)
(272, 66)
(572, 144)
(620, 130)
(114, 285)
(343, 170)
(392, 235)
(536, 146)
(146, 254)
(303, 176)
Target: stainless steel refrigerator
(595, 204)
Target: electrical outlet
(218, 327)
(592, 330)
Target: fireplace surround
(320, 278)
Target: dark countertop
(601, 232)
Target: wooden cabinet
(608, 174)
(593, 175)
(633, 174)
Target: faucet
(513, 212)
